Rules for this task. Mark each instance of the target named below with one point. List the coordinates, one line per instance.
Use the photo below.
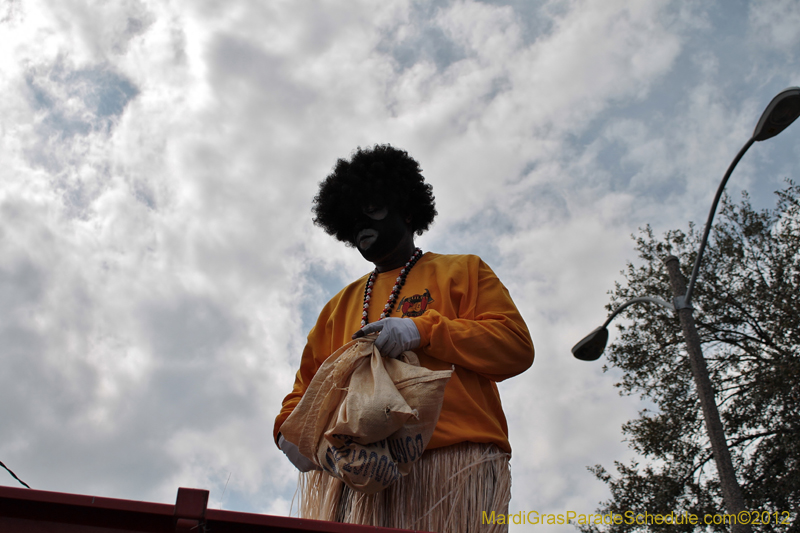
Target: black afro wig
(378, 176)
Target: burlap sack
(366, 419)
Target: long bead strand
(399, 282)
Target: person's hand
(396, 335)
(303, 463)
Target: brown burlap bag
(366, 419)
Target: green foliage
(747, 309)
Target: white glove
(396, 335)
(303, 463)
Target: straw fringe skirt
(447, 491)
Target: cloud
(70, 105)
(775, 24)
(158, 267)
(99, 31)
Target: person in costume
(452, 311)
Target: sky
(159, 269)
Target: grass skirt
(446, 491)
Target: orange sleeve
(317, 349)
(332, 329)
(492, 341)
(303, 377)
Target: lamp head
(591, 347)
(781, 111)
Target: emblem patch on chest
(415, 305)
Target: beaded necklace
(399, 282)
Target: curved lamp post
(779, 114)
(592, 345)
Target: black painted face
(379, 232)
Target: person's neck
(398, 258)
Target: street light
(591, 347)
(779, 114)
(781, 111)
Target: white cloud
(158, 266)
(775, 23)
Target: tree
(747, 309)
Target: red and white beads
(399, 282)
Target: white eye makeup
(375, 213)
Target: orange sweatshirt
(465, 318)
